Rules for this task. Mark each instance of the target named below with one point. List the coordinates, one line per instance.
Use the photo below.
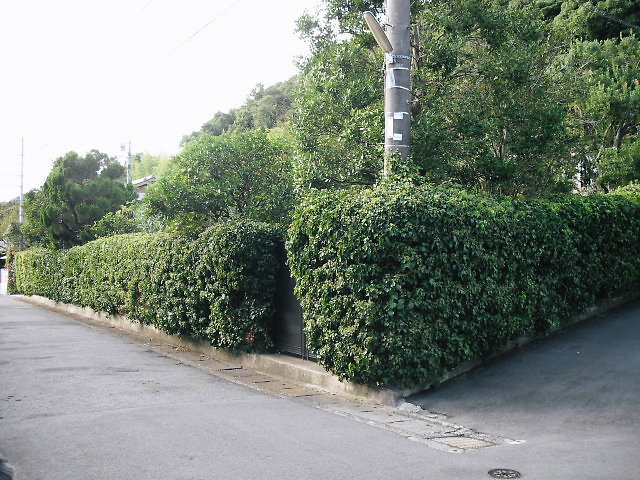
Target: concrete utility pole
(396, 44)
(397, 96)
(123, 148)
(20, 210)
(129, 166)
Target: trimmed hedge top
(220, 287)
(398, 282)
(403, 282)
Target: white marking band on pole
(401, 88)
(391, 79)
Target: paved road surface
(78, 402)
(575, 398)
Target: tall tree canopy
(487, 113)
(499, 93)
(77, 192)
(605, 109)
(265, 108)
(145, 164)
(600, 73)
(8, 213)
(593, 19)
(237, 174)
(336, 118)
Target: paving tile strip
(407, 420)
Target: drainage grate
(504, 473)
(465, 443)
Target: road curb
(598, 309)
(301, 371)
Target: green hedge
(220, 286)
(404, 282)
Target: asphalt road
(574, 397)
(78, 402)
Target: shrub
(403, 282)
(220, 287)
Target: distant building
(140, 185)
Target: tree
(133, 217)
(13, 236)
(8, 213)
(9, 227)
(337, 116)
(594, 19)
(220, 123)
(77, 192)
(264, 108)
(113, 223)
(237, 174)
(605, 109)
(145, 164)
(486, 113)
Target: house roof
(148, 179)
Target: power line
(592, 9)
(145, 7)
(178, 46)
(214, 19)
(153, 64)
(192, 36)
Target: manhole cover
(465, 443)
(504, 473)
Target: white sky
(83, 74)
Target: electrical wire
(157, 62)
(145, 7)
(171, 52)
(192, 36)
(214, 19)
(592, 9)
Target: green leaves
(235, 175)
(219, 287)
(487, 113)
(265, 108)
(404, 281)
(77, 192)
(337, 117)
(606, 109)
